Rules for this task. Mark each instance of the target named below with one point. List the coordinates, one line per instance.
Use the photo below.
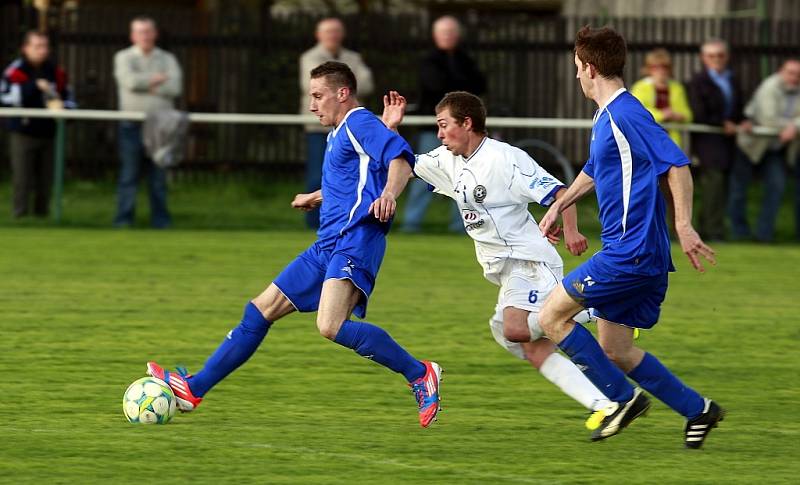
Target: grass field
(82, 309)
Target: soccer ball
(149, 401)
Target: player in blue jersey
(626, 281)
(366, 167)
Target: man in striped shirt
(626, 281)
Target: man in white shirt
(492, 183)
(148, 79)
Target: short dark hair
(337, 74)
(30, 34)
(603, 48)
(463, 105)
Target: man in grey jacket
(330, 34)
(775, 104)
(148, 79)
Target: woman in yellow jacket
(663, 96)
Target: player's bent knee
(327, 327)
(516, 333)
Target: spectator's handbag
(164, 136)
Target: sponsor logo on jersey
(474, 225)
(479, 193)
(471, 216)
(544, 182)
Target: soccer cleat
(595, 419)
(426, 391)
(620, 415)
(177, 382)
(698, 428)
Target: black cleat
(620, 415)
(698, 428)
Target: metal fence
(240, 62)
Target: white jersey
(493, 188)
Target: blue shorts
(629, 299)
(356, 256)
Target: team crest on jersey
(479, 193)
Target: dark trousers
(797, 198)
(32, 173)
(134, 161)
(713, 199)
(315, 154)
(773, 174)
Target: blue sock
(660, 382)
(374, 343)
(584, 351)
(240, 344)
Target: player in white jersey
(493, 182)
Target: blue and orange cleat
(177, 382)
(426, 391)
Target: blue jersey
(628, 153)
(355, 170)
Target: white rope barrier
(296, 119)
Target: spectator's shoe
(620, 415)
(177, 382)
(426, 391)
(698, 428)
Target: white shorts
(526, 285)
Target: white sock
(562, 372)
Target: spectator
(330, 34)
(33, 81)
(775, 104)
(148, 79)
(664, 97)
(445, 68)
(715, 97)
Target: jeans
(32, 173)
(797, 198)
(419, 197)
(133, 161)
(315, 154)
(774, 177)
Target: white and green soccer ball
(149, 401)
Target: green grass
(82, 309)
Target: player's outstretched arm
(575, 242)
(307, 202)
(582, 185)
(681, 186)
(384, 206)
(394, 109)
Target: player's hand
(549, 219)
(554, 234)
(394, 108)
(383, 207)
(306, 202)
(576, 242)
(694, 247)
